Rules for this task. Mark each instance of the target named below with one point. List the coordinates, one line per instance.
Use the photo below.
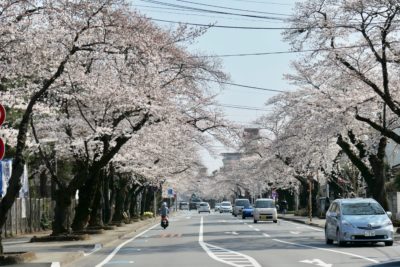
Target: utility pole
(310, 197)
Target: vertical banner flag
(6, 169)
(2, 119)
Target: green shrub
(148, 214)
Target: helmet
(164, 204)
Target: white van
(265, 210)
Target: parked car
(358, 220)
(217, 206)
(193, 205)
(265, 210)
(240, 203)
(183, 206)
(247, 212)
(204, 207)
(226, 206)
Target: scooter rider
(164, 209)
(164, 215)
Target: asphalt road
(223, 240)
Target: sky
(264, 71)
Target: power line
(226, 26)
(245, 86)
(212, 11)
(282, 52)
(162, 10)
(241, 107)
(236, 9)
(261, 2)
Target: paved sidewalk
(57, 254)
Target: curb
(301, 221)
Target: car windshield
(368, 208)
(226, 204)
(265, 204)
(242, 202)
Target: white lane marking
(15, 242)
(258, 230)
(305, 226)
(326, 249)
(55, 264)
(115, 251)
(294, 233)
(251, 226)
(232, 233)
(317, 262)
(266, 235)
(96, 248)
(229, 257)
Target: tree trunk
(120, 200)
(108, 198)
(143, 201)
(134, 202)
(86, 198)
(61, 222)
(377, 187)
(96, 216)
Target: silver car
(226, 206)
(358, 220)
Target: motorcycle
(164, 221)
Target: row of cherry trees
(113, 94)
(347, 103)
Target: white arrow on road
(317, 262)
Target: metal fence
(29, 215)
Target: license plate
(369, 233)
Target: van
(240, 203)
(265, 210)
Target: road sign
(2, 149)
(2, 114)
(170, 192)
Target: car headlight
(346, 223)
(388, 223)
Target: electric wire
(244, 86)
(236, 9)
(212, 11)
(241, 107)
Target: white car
(204, 207)
(217, 206)
(226, 206)
(265, 210)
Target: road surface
(215, 239)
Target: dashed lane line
(327, 249)
(224, 255)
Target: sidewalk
(57, 254)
